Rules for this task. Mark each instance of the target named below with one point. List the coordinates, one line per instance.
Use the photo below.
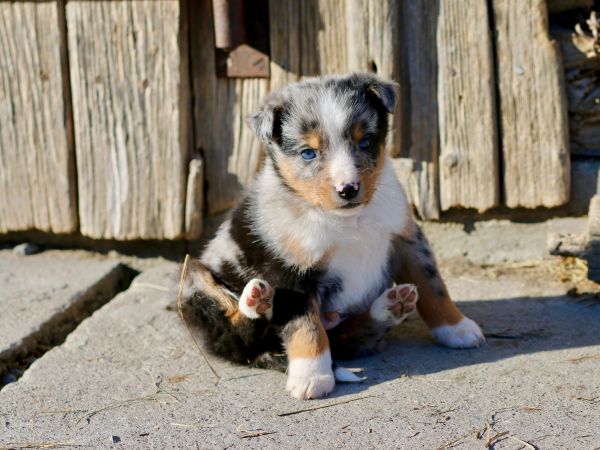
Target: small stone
(27, 248)
(116, 439)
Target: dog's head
(326, 137)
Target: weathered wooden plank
(420, 181)
(535, 136)
(307, 38)
(194, 199)
(37, 184)
(418, 112)
(232, 152)
(374, 45)
(131, 115)
(467, 112)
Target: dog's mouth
(351, 205)
(349, 209)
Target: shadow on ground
(513, 327)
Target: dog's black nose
(348, 191)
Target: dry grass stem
(180, 309)
(55, 444)
(322, 406)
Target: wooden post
(131, 103)
(231, 151)
(194, 201)
(37, 180)
(418, 129)
(469, 172)
(533, 111)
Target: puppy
(322, 255)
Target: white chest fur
(360, 266)
(356, 247)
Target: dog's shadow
(513, 327)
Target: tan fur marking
(236, 317)
(324, 261)
(295, 249)
(313, 139)
(435, 310)
(370, 177)
(358, 131)
(310, 339)
(300, 257)
(410, 228)
(318, 190)
(203, 278)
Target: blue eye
(366, 143)
(308, 154)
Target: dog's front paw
(395, 304)
(257, 299)
(310, 378)
(465, 334)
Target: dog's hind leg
(413, 262)
(239, 334)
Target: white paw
(395, 304)
(343, 375)
(465, 334)
(257, 299)
(310, 378)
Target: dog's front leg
(310, 373)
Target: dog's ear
(386, 92)
(266, 121)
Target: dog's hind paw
(465, 334)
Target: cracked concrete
(44, 295)
(129, 376)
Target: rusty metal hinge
(241, 38)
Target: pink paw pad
(256, 300)
(402, 299)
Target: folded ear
(266, 121)
(387, 93)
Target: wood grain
(374, 45)
(533, 112)
(419, 180)
(308, 38)
(37, 181)
(468, 164)
(418, 130)
(194, 199)
(231, 152)
(131, 105)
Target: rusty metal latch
(241, 38)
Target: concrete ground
(129, 376)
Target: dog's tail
(210, 307)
